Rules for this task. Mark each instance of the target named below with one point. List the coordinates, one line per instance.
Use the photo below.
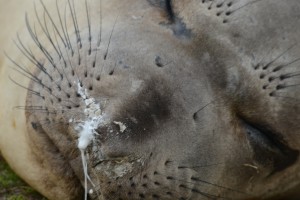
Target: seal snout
(130, 117)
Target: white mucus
(94, 118)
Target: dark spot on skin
(168, 162)
(228, 13)
(262, 76)
(14, 123)
(220, 5)
(158, 61)
(279, 87)
(169, 193)
(34, 125)
(271, 79)
(195, 116)
(156, 183)
(112, 192)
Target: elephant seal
(157, 99)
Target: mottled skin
(207, 90)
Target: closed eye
(169, 10)
(269, 148)
(175, 22)
(166, 6)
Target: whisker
(67, 32)
(200, 166)
(285, 65)
(62, 27)
(207, 195)
(74, 19)
(245, 5)
(34, 109)
(195, 116)
(100, 31)
(29, 55)
(279, 56)
(289, 75)
(196, 181)
(53, 24)
(28, 89)
(26, 71)
(45, 29)
(280, 87)
(89, 27)
(279, 95)
(109, 41)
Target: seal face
(162, 99)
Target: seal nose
(133, 110)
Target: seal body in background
(158, 99)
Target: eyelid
(169, 10)
(269, 146)
(165, 5)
